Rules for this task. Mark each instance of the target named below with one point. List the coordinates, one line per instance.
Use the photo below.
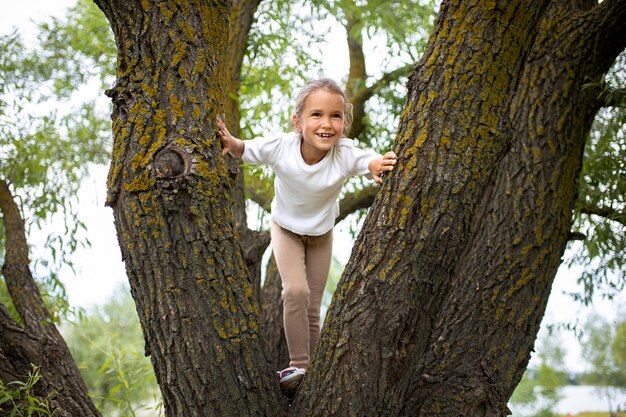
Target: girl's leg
(318, 254)
(289, 254)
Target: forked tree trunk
(446, 264)
(441, 301)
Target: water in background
(579, 398)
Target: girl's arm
(378, 166)
(230, 144)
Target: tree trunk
(504, 278)
(455, 259)
(254, 243)
(167, 186)
(439, 308)
(272, 313)
(35, 340)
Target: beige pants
(303, 263)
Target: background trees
(107, 344)
(539, 389)
(43, 160)
(603, 346)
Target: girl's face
(321, 124)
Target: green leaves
(17, 398)
(601, 207)
(603, 346)
(540, 388)
(108, 347)
(51, 130)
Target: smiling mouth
(325, 135)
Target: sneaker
(290, 378)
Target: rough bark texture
(170, 193)
(440, 304)
(503, 280)
(272, 313)
(35, 340)
(254, 243)
(438, 309)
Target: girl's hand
(379, 166)
(230, 144)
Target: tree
(599, 211)
(43, 160)
(602, 346)
(491, 138)
(455, 259)
(539, 388)
(107, 344)
(96, 50)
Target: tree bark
(167, 186)
(462, 310)
(272, 313)
(503, 280)
(454, 131)
(254, 243)
(455, 259)
(35, 340)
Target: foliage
(601, 207)
(17, 398)
(276, 60)
(395, 35)
(589, 414)
(49, 134)
(108, 347)
(539, 390)
(603, 346)
(83, 41)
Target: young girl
(310, 166)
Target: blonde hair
(330, 86)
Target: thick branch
(39, 342)
(356, 90)
(16, 269)
(387, 78)
(606, 212)
(241, 20)
(12, 337)
(357, 200)
(609, 20)
(361, 96)
(260, 191)
(358, 72)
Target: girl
(311, 166)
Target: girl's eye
(315, 114)
(337, 116)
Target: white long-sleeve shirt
(305, 196)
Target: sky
(100, 270)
